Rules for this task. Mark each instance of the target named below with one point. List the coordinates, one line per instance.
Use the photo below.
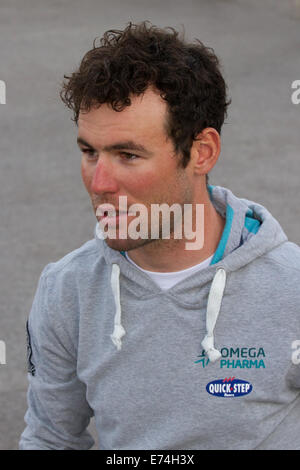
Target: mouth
(110, 216)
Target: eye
(91, 154)
(129, 156)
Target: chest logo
(229, 387)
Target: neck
(172, 255)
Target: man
(167, 345)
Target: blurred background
(45, 212)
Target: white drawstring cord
(212, 312)
(119, 331)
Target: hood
(250, 231)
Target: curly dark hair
(127, 62)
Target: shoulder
(70, 279)
(278, 271)
(286, 256)
(62, 285)
(76, 264)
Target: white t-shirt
(167, 280)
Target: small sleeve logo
(30, 365)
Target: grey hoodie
(212, 363)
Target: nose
(104, 180)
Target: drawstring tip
(117, 342)
(116, 336)
(213, 355)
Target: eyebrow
(126, 145)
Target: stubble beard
(185, 197)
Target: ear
(205, 150)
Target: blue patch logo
(229, 387)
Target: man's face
(128, 154)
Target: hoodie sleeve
(58, 413)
